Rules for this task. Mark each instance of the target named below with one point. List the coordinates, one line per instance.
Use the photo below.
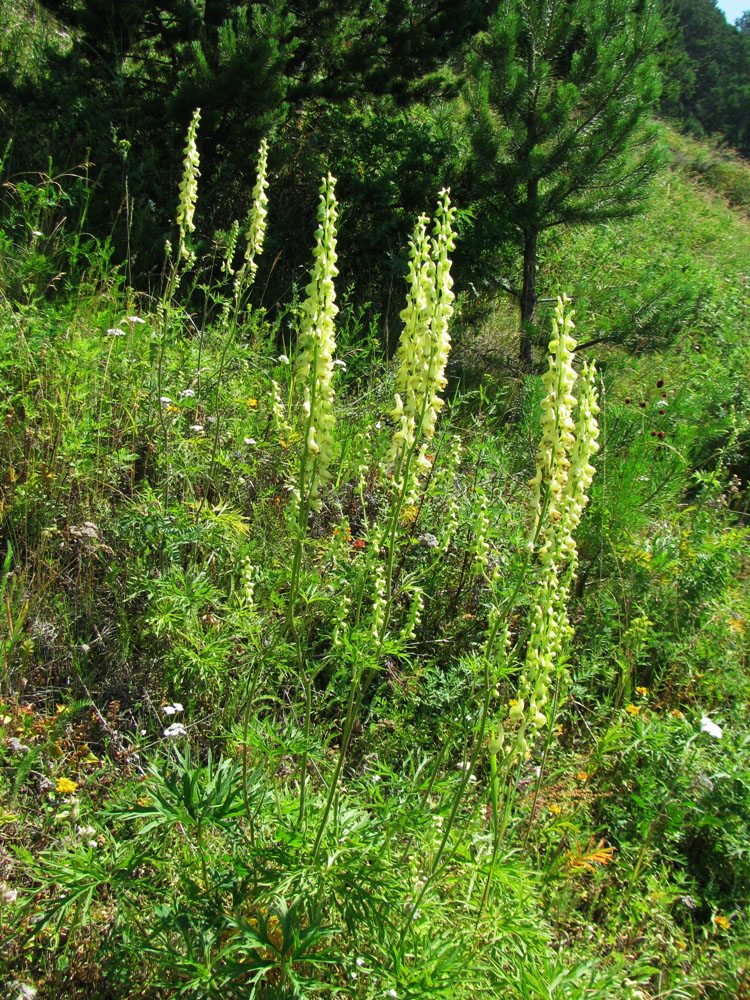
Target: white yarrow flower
(175, 730)
(707, 726)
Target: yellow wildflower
(676, 713)
(65, 786)
(632, 709)
(555, 809)
(721, 922)
(582, 776)
(252, 402)
(409, 514)
(641, 690)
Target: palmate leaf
(179, 792)
(78, 876)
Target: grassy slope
(629, 853)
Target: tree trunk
(528, 296)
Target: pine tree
(560, 101)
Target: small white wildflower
(92, 843)
(359, 961)
(143, 732)
(392, 993)
(37, 232)
(187, 393)
(135, 319)
(283, 359)
(173, 709)
(707, 726)
(115, 331)
(338, 363)
(165, 400)
(249, 441)
(7, 895)
(211, 420)
(85, 647)
(175, 730)
(196, 428)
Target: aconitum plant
(189, 186)
(317, 346)
(256, 223)
(425, 341)
(563, 475)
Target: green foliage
(559, 103)
(243, 742)
(712, 58)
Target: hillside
(301, 699)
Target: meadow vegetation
(325, 673)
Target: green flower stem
(436, 868)
(545, 751)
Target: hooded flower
(315, 362)
(189, 185)
(425, 341)
(256, 222)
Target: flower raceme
(315, 363)
(425, 341)
(563, 476)
(256, 223)
(189, 185)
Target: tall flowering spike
(558, 428)
(581, 473)
(229, 249)
(564, 474)
(189, 185)
(256, 222)
(316, 350)
(416, 319)
(425, 341)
